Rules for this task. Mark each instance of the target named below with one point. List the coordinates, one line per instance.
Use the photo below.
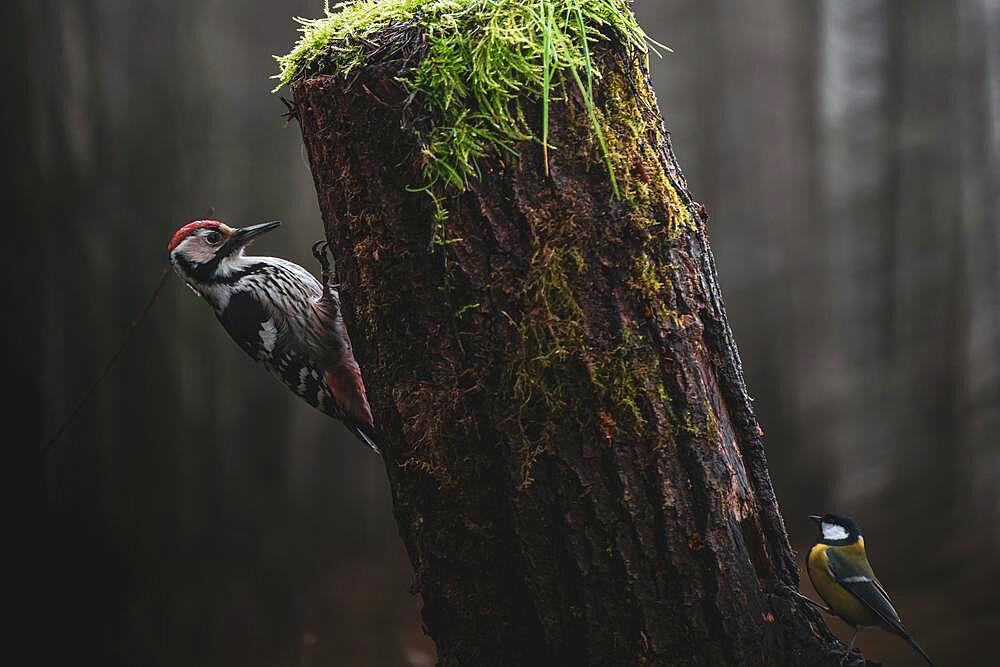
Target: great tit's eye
(213, 238)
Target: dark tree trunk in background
(576, 469)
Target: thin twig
(111, 362)
(815, 604)
(377, 98)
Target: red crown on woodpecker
(189, 229)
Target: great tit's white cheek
(832, 531)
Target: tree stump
(576, 469)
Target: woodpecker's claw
(291, 110)
(321, 251)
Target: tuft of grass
(484, 58)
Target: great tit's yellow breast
(840, 600)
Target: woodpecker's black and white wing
(267, 340)
(859, 580)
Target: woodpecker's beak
(816, 518)
(244, 235)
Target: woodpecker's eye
(213, 238)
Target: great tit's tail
(912, 642)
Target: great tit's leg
(854, 638)
(850, 647)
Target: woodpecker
(279, 314)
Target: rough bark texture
(576, 469)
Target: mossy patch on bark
(480, 62)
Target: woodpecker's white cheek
(195, 250)
(832, 531)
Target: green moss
(484, 59)
(646, 277)
(560, 385)
(649, 281)
(630, 112)
(551, 371)
(628, 376)
(711, 423)
(550, 328)
(465, 309)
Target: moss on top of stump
(481, 61)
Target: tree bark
(575, 465)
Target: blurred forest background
(198, 514)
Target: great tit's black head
(837, 530)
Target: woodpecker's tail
(348, 391)
(365, 438)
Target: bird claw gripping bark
(321, 251)
(852, 658)
(291, 110)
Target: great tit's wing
(859, 580)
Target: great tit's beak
(816, 518)
(243, 235)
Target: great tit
(839, 570)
